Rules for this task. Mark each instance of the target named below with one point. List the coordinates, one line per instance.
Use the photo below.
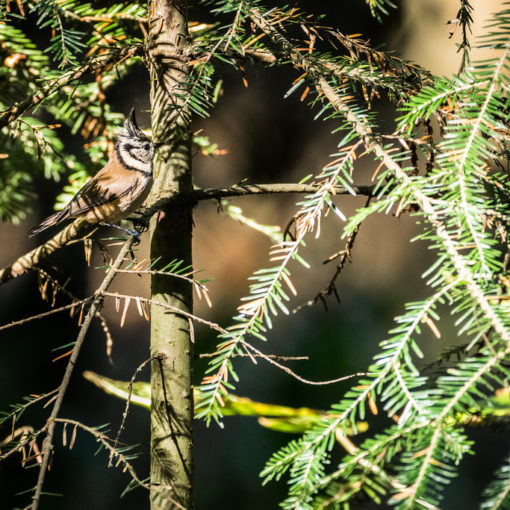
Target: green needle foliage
(464, 221)
(497, 494)
(446, 164)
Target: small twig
(50, 424)
(343, 255)
(126, 409)
(165, 273)
(62, 288)
(293, 374)
(272, 356)
(174, 309)
(107, 18)
(28, 436)
(232, 30)
(44, 278)
(20, 407)
(106, 442)
(45, 314)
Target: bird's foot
(141, 223)
(128, 231)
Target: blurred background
(268, 139)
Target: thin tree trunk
(171, 231)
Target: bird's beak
(159, 144)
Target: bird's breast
(126, 202)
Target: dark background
(268, 139)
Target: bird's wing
(104, 188)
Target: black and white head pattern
(134, 149)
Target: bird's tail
(54, 219)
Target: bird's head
(134, 148)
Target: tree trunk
(171, 231)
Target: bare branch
(45, 314)
(261, 189)
(57, 286)
(28, 437)
(50, 424)
(343, 256)
(265, 356)
(126, 409)
(270, 359)
(199, 287)
(174, 309)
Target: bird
(118, 189)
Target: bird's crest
(131, 126)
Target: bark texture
(171, 231)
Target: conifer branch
(453, 179)
(80, 227)
(260, 305)
(96, 64)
